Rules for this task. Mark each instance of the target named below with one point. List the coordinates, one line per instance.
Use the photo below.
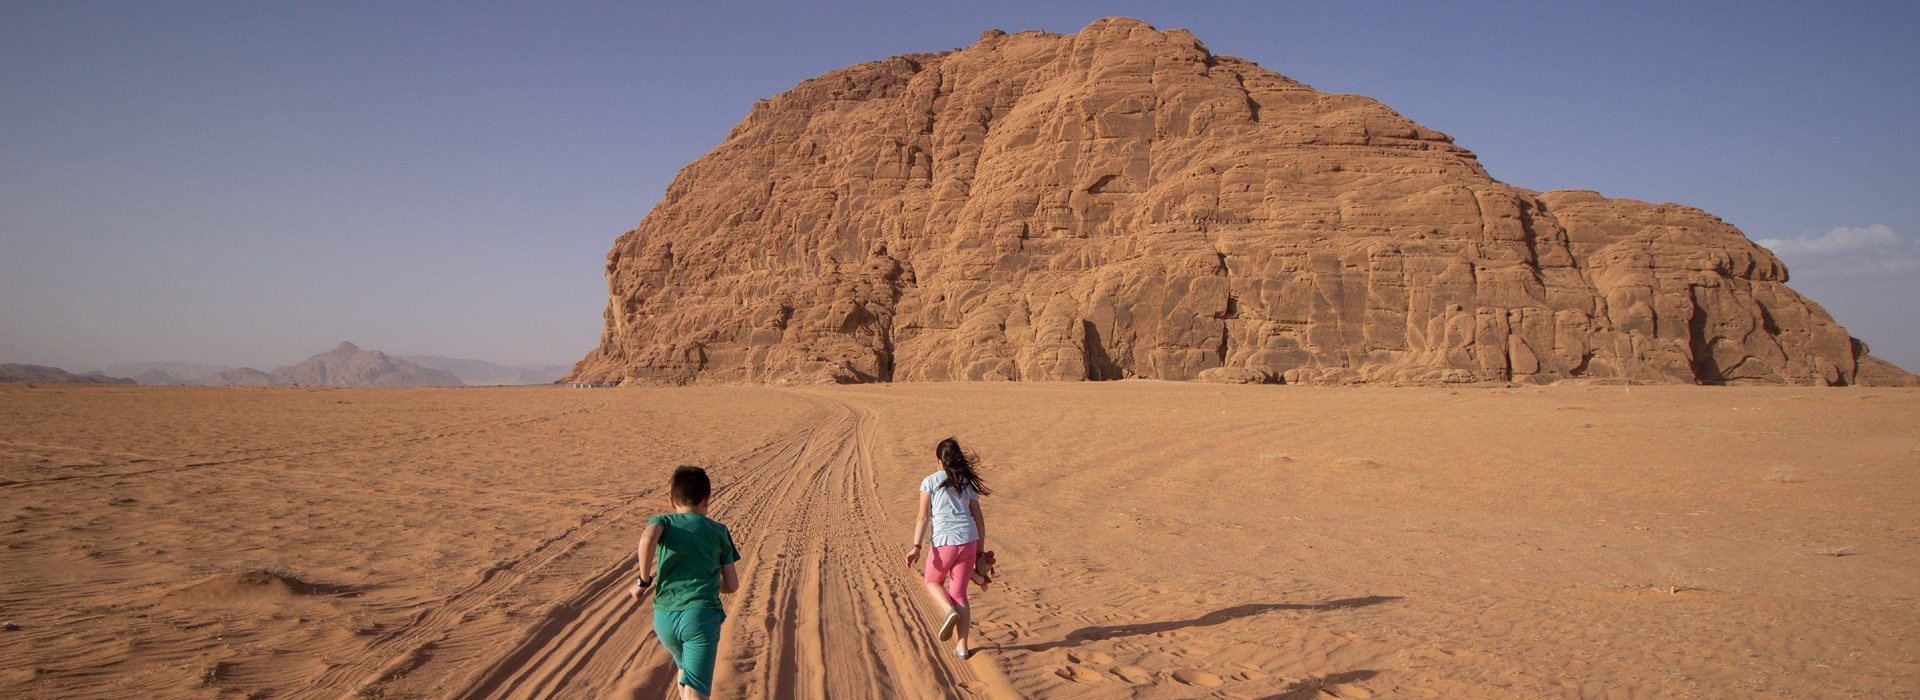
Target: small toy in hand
(983, 569)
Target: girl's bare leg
(960, 628)
(940, 598)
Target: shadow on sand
(1309, 689)
(1076, 637)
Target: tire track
(830, 612)
(590, 608)
(596, 643)
(407, 646)
(824, 611)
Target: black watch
(644, 582)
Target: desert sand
(1155, 540)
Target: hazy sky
(251, 182)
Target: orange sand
(1155, 540)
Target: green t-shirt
(691, 551)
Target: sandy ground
(1155, 540)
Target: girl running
(950, 512)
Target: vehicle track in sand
(824, 610)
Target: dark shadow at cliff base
(1100, 365)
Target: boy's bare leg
(688, 693)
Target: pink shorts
(953, 565)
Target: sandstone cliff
(1124, 203)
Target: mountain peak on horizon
(349, 365)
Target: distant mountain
(245, 376)
(239, 376)
(484, 373)
(348, 365)
(14, 373)
(154, 377)
(170, 372)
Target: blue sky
(249, 183)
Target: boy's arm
(647, 541)
(729, 579)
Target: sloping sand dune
(1155, 540)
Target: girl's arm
(729, 579)
(647, 541)
(979, 521)
(921, 524)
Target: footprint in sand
(1251, 675)
(1346, 691)
(1078, 674)
(1133, 674)
(1195, 677)
(1018, 630)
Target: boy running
(695, 556)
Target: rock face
(348, 365)
(1123, 203)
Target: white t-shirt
(952, 521)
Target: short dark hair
(690, 485)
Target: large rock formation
(1124, 203)
(348, 365)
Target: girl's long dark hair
(959, 467)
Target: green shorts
(693, 638)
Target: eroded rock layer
(1123, 203)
